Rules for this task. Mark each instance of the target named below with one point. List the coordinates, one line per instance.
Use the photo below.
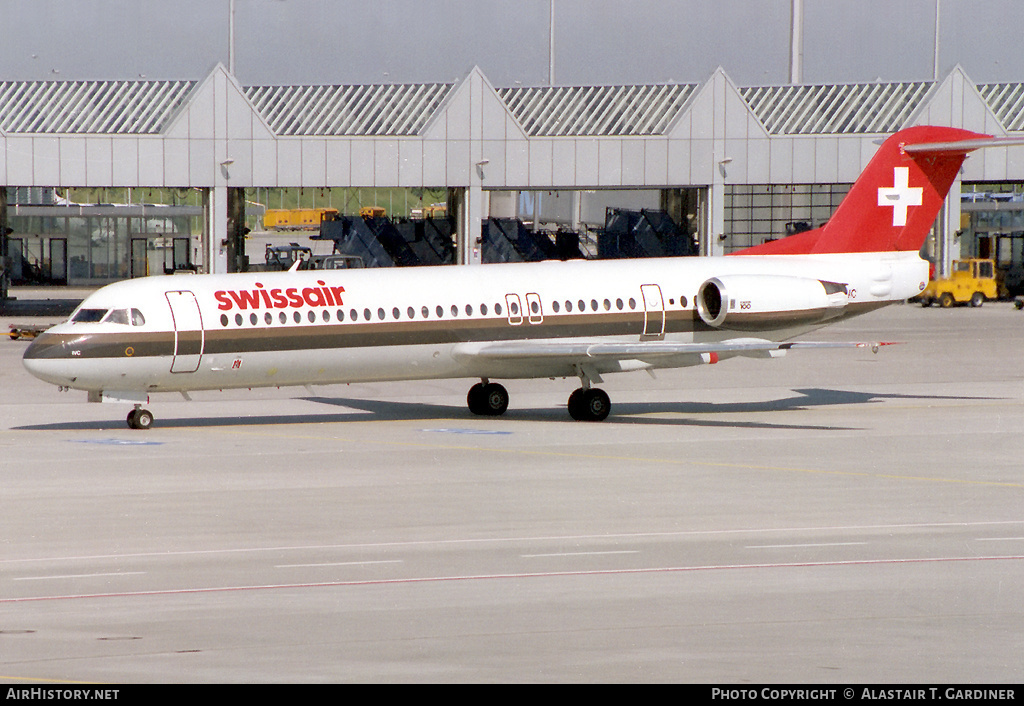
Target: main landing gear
(586, 404)
(589, 404)
(488, 399)
(140, 418)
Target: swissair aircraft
(579, 319)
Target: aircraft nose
(48, 359)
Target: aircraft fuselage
(339, 326)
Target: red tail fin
(893, 203)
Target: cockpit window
(126, 317)
(117, 316)
(89, 316)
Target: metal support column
(712, 211)
(470, 208)
(237, 260)
(215, 232)
(947, 232)
(5, 263)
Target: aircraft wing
(594, 351)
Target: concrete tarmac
(835, 516)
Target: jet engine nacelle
(768, 301)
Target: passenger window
(283, 317)
(269, 318)
(483, 309)
(426, 312)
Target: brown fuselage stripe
(298, 337)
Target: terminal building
(108, 180)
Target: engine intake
(744, 302)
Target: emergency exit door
(654, 312)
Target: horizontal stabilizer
(963, 146)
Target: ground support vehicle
(971, 282)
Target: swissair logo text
(292, 297)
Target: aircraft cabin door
(188, 331)
(535, 309)
(515, 310)
(654, 313)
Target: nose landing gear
(140, 418)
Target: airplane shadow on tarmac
(693, 414)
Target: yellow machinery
(295, 218)
(971, 281)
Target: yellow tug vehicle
(971, 282)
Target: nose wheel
(140, 418)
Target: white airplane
(579, 319)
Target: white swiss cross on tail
(901, 196)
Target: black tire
(591, 405)
(140, 419)
(495, 399)
(977, 299)
(490, 400)
(946, 300)
(475, 399)
(576, 405)
(143, 419)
